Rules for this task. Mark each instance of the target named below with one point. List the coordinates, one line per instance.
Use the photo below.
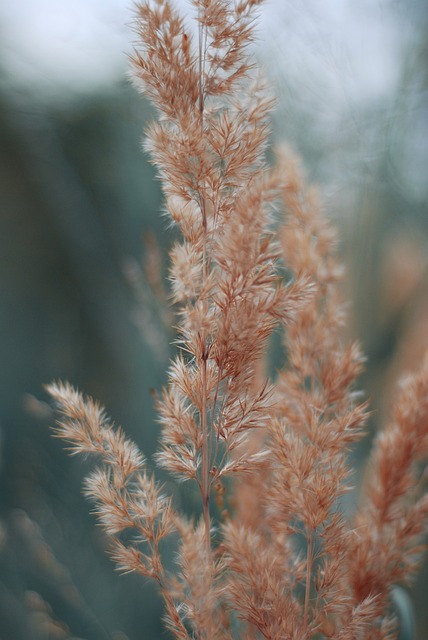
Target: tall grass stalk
(271, 555)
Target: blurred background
(82, 245)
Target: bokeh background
(82, 243)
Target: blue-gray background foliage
(78, 200)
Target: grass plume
(284, 562)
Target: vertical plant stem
(201, 92)
(309, 563)
(205, 486)
(205, 457)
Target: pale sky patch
(58, 44)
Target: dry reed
(277, 560)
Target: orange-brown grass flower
(393, 517)
(313, 421)
(294, 569)
(209, 148)
(126, 497)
